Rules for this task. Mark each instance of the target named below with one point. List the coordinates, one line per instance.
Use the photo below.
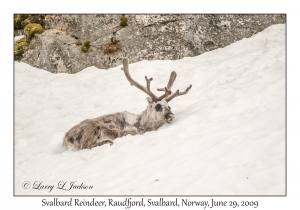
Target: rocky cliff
(146, 37)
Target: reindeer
(104, 129)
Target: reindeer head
(160, 111)
(158, 107)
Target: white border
(8, 8)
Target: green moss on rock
(123, 21)
(39, 19)
(86, 46)
(18, 19)
(31, 29)
(84, 49)
(20, 47)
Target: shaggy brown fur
(98, 131)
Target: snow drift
(228, 136)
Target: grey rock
(147, 37)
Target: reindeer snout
(169, 117)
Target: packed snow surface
(228, 136)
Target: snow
(228, 136)
(17, 38)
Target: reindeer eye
(158, 108)
(169, 108)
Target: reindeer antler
(177, 93)
(147, 90)
(169, 86)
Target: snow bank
(17, 38)
(228, 137)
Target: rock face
(147, 37)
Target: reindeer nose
(169, 117)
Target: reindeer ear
(149, 100)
